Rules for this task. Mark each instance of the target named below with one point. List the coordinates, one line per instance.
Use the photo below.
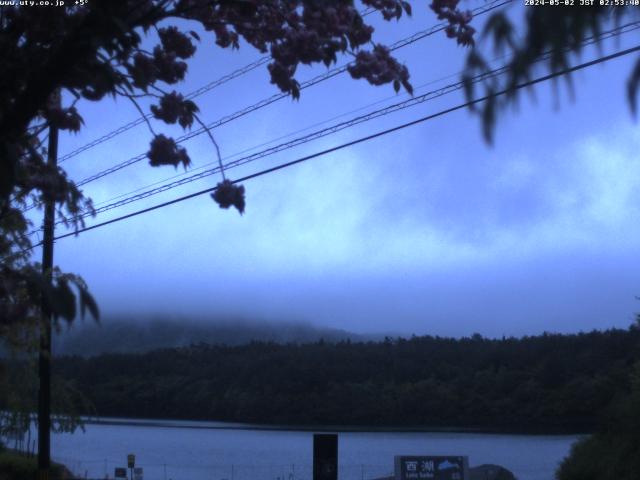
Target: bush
(602, 456)
(14, 466)
(614, 452)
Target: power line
(263, 103)
(263, 144)
(196, 93)
(279, 96)
(399, 44)
(297, 141)
(361, 139)
(332, 129)
(268, 142)
(602, 36)
(205, 88)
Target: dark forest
(546, 383)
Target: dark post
(325, 456)
(44, 358)
(131, 463)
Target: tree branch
(208, 130)
(142, 114)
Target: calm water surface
(215, 451)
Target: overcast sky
(427, 230)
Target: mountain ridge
(120, 335)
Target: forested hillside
(543, 383)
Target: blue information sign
(431, 468)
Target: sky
(428, 230)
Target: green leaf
(501, 28)
(88, 302)
(632, 87)
(489, 117)
(63, 301)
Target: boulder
(490, 472)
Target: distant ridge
(119, 335)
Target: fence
(103, 469)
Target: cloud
(351, 212)
(427, 229)
(593, 187)
(584, 195)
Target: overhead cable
(413, 101)
(461, 106)
(279, 96)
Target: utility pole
(44, 357)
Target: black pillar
(325, 456)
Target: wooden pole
(44, 357)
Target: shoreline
(215, 425)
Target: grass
(16, 466)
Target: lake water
(217, 451)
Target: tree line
(545, 383)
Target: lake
(169, 450)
